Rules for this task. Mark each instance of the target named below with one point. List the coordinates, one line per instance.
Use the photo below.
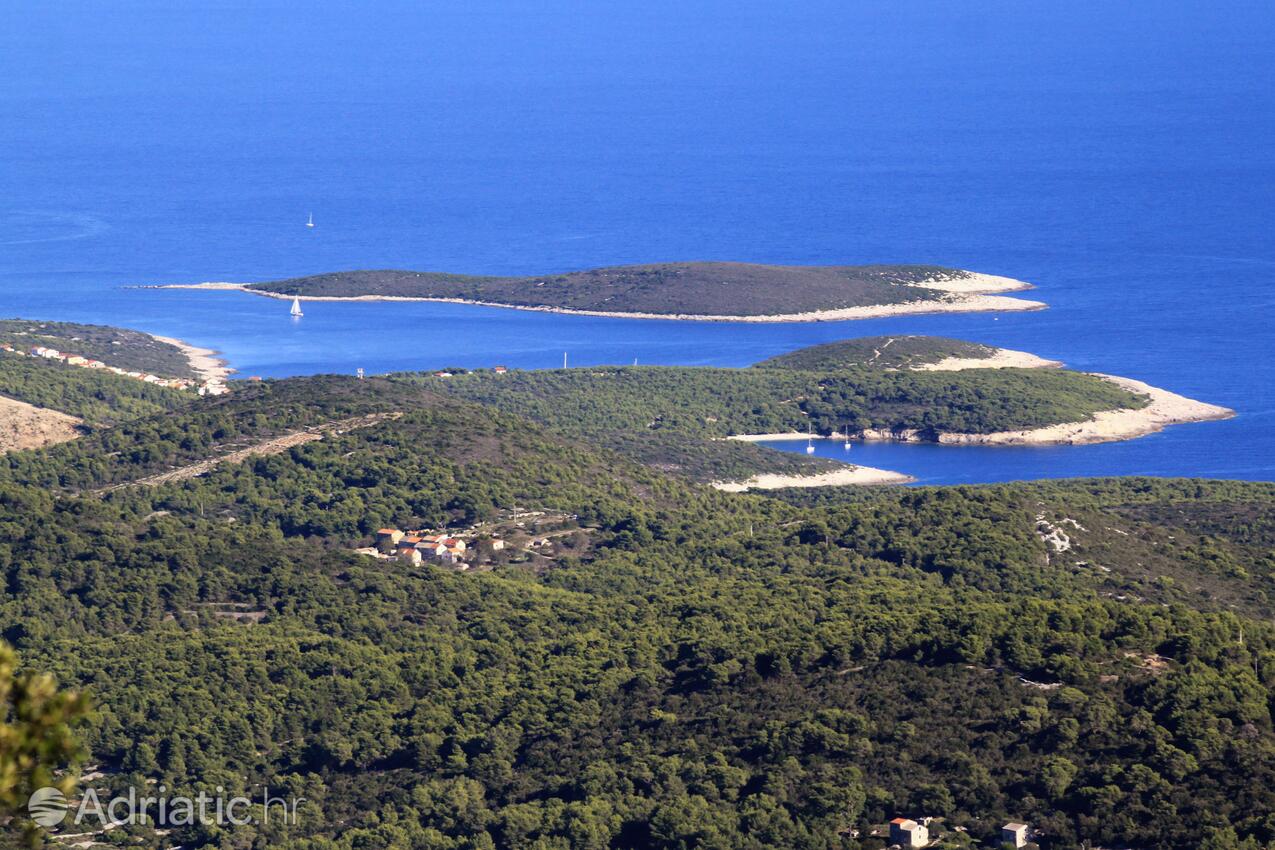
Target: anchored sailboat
(310, 221)
(810, 440)
(847, 433)
(296, 308)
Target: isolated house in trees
(908, 833)
(1014, 834)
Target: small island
(696, 291)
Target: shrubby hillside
(673, 417)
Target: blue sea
(1117, 155)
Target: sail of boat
(296, 307)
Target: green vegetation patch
(877, 352)
(94, 395)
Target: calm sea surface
(1118, 156)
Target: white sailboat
(310, 221)
(847, 433)
(810, 440)
(296, 308)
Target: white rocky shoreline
(1165, 408)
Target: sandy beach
(976, 282)
(860, 475)
(964, 295)
(25, 426)
(1003, 358)
(204, 361)
(766, 438)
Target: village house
(440, 547)
(76, 360)
(1014, 834)
(908, 833)
(417, 547)
(387, 539)
(405, 543)
(431, 549)
(500, 370)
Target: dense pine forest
(686, 668)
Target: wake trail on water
(87, 226)
(1252, 261)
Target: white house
(1014, 834)
(908, 833)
